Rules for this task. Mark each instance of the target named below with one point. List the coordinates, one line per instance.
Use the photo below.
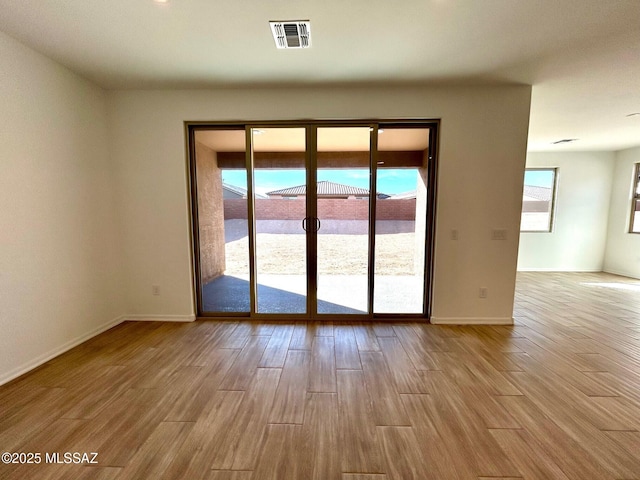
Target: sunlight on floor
(633, 287)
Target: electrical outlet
(454, 234)
(483, 292)
(155, 289)
(498, 234)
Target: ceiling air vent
(293, 34)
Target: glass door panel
(280, 211)
(221, 179)
(343, 176)
(401, 214)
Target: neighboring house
(536, 199)
(412, 194)
(233, 191)
(326, 189)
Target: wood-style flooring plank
(545, 436)
(303, 335)
(383, 329)
(158, 451)
(416, 350)
(347, 355)
(322, 370)
(366, 338)
(403, 455)
(276, 460)
(361, 450)
(407, 378)
(125, 425)
(324, 329)
(462, 429)
(319, 440)
(241, 373)
(290, 398)
(363, 476)
(230, 475)
(32, 418)
(387, 406)
(276, 351)
(436, 454)
(208, 441)
(532, 462)
(194, 397)
(251, 424)
(557, 402)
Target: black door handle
(305, 220)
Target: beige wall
(623, 248)
(482, 155)
(579, 236)
(61, 277)
(210, 214)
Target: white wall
(623, 248)
(60, 264)
(482, 156)
(579, 236)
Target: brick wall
(330, 208)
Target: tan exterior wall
(210, 214)
(421, 217)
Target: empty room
(337, 240)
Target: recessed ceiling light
(161, 1)
(565, 140)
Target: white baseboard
(161, 318)
(36, 362)
(569, 270)
(621, 273)
(472, 320)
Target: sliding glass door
(318, 220)
(279, 160)
(343, 175)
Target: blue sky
(539, 178)
(390, 181)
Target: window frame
(635, 197)
(552, 206)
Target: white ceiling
(581, 56)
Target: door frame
(311, 126)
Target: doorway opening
(313, 220)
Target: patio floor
(337, 294)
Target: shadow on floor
(231, 294)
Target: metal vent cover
(291, 34)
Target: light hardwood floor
(557, 396)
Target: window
(634, 224)
(538, 199)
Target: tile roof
(238, 190)
(537, 193)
